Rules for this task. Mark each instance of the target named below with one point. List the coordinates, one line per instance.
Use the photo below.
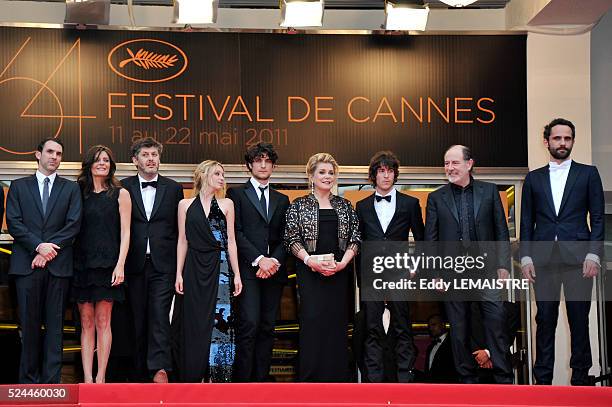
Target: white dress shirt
(40, 177)
(256, 185)
(266, 192)
(558, 178)
(385, 210)
(148, 199)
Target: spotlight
(406, 15)
(195, 11)
(302, 13)
(94, 12)
(458, 3)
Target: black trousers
(494, 324)
(401, 330)
(41, 297)
(577, 291)
(257, 310)
(150, 297)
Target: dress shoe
(160, 377)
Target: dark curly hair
(145, 142)
(85, 179)
(383, 159)
(259, 150)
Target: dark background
(273, 67)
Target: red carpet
(306, 394)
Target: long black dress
(97, 249)
(323, 351)
(208, 331)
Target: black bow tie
(149, 184)
(380, 198)
(436, 340)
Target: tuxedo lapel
(478, 193)
(249, 190)
(572, 176)
(449, 200)
(159, 196)
(137, 194)
(33, 187)
(373, 214)
(56, 191)
(545, 179)
(273, 203)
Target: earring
(312, 187)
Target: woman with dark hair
(101, 248)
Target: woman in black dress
(206, 279)
(323, 223)
(101, 249)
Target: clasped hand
(268, 266)
(327, 267)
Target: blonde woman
(317, 224)
(208, 278)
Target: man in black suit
(468, 211)
(259, 226)
(151, 263)
(388, 215)
(43, 214)
(557, 201)
(439, 365)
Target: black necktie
(262, 200)
(149, 184)
(465, 220)
(45, 194)
(380, 198)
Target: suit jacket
(443, 366)
(442, 219)
(29, 227)
(583, 196)
(161, 229)
(407, 217)
(255, 232)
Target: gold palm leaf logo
(147, 60)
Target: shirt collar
(460, 188)
(41, 177)
(564, 165)
(256, 184)
(141, 180)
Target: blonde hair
(318, 158)
(202, 175)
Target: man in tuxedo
(468, 211)
(151, 263)
(557, 201)
(388, 215)
(439, 366)
(259, 225)
(43, 214)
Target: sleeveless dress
(208, 347)
(97, 249)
